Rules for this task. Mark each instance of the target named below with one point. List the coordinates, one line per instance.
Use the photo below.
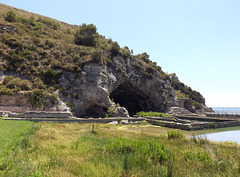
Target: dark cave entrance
(188, 105)
(131, 98)
(95, 111)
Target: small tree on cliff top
(115, 48)
(10, 16)
(86, 35)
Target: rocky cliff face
(19, 103)
(97, 87)
(91, 74)
(117, 90)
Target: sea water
(225, 135)
(233, 136)
(226, 110)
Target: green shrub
(144, 56)
(96, 57)
(39, 26)
(49, 44)
(86, 35)
(202, 140)
(13, 42)
(165, 76)
(148, 72)
(51, 89)
(17, 83)
(26, 85)
(38, 83)
(70, 105)
(147, 75)
(109, 61)
(49, 76)
(137, 65)
(156, 151)
(36, 98)
(172, 134)
(197, 105)
(6, 79)
(5, 91)
(238, 165)
(49, 23)
(10, 16)
(115, 48)
(14, 83)
(53, 98)
(126, 52)
(152, 114)
(68, 31)
(31, 21)
(197, 156)
(180, 94)
(212, 125)
(23, 20)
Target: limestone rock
(113, 123)
(124, 122)
(4, 113)
(99, 88)
(18, 103)
(120, 112)
(97, 85)
(178, 110)
(204, 109)
(45, 114)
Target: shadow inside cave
(132, 98)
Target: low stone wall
(195, 126)
(37, 114)
(4, 113)
(200, 118)
(78, 120)
(17, 100)
(44, 114)
(23, 109)
(17, 109)
(223, 115)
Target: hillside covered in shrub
(43, 52)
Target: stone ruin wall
(37, 114)
(18, 106)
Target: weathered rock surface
(45, 114)
(97, 90)
(119, 112)
(97, 85)
(37, 114)
(178, 110)
(19, 103)
(90, 78)
(124, 122)
(113, 123)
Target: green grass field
(152, 114)
(54, 149)
(10, 131)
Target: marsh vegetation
(54, 149)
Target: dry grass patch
(132, 150)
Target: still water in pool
(233, 136)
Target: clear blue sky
(198, 40)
